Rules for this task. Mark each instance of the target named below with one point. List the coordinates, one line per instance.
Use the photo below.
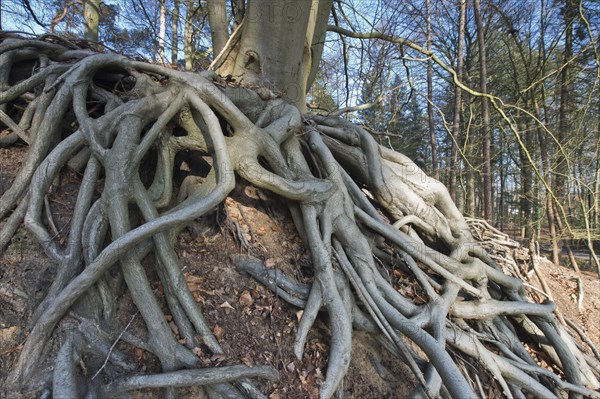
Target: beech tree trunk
(488, 212)
(526, 186)
(175, 33)
(280, 47)
(217, 17)
(564, 111)
(550, 211)
(457, 100)
(91, 16)
(162, 29)
(596, 214)
(187, 34)
(432, 139)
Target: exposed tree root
(358, 206)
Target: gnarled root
(359, 207)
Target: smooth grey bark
(596, 221)
(217, 19)
(175, 33)
(430, 119)
(457, 100)
(187, 35)
(91, 17)
(162, 29)
(486, 135)
(280, 46)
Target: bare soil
(253, 325)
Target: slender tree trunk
(175, 33)
(596, 220)
(187, 35)
(91, 17)
(500, 214)
(485, 117)
(162, 29)
(597, 180)
(217, 19)
(565, 100)
(457, 100)
(432, 139)
(526, 185)
(561, 168)
(566, 245)
(471, 203)
(552, 229)
(550, 214)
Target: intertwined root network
(358, 206)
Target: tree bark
(471, 205)
(238, 9)
(280, 46)
(561, 165)
(217, 19)
(526, 185)
(550, 214)
(91, 17)
(187, 35)
(596, 213)
(162, 29)
(432, 139)
(485, 117)
(175, 33)
(562, 169)
(457, 100)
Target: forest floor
(252, 324)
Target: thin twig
(112, 347)
(49, 217)
(579, 294)
(7, 120)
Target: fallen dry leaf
(247, 362)
(226, 305)
(138, 353)
(193, 279)
(275, 395)
(198, 297)
(174, 327)
(219, 332)
(198, 352)
(246, 299)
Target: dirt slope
(253, 325)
